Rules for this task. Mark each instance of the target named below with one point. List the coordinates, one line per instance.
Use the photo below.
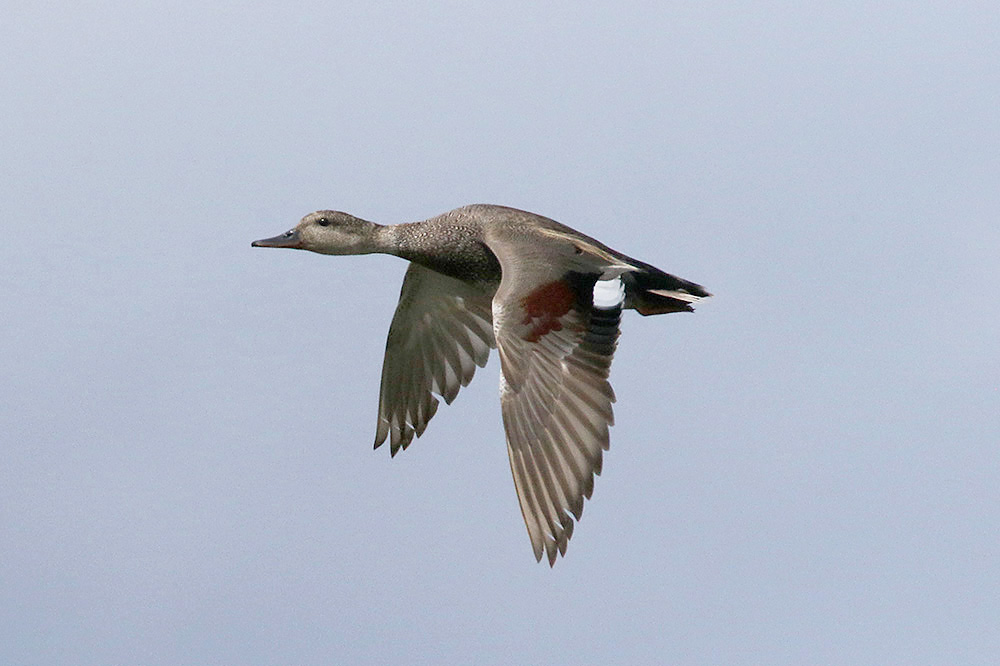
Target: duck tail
(650, 291)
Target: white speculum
(608, 293)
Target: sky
(803, 471)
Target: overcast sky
(804, 471)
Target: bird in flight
(486, 276)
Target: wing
(555, 355)
(442, 330)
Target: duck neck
(450, 250)
(401, 240)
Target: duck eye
(323, 222)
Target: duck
(484, 277)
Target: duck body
(484, 277)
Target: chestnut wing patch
(545, 306)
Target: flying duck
(483, 277)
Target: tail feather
(651, 291)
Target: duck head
(327, 232)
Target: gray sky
(804, 471)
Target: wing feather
(555, 354)
(441, 331)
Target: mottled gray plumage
(488, 276)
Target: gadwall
(488, 276)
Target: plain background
(804, 471)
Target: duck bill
(288, 239)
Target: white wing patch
(609, 293)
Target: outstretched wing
(442, 330)
(555, 355)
